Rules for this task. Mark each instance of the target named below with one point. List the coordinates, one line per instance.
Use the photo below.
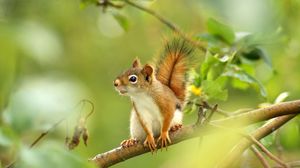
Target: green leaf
(220, 30)
(195, 77)
(216, 70)
(214, 44)
(6, 137)
(258, 53)
(122, 20)
(239, 84)
(8, 63)
(253, 54)
(9, 141)
(214, 90)
(190, 109)
(50, 155)
(222, 81)
(266, 57)
(290, 135)
(237, 73)
(248, 68)
(268, 140)
(211, 39)
(209, 61)
(85, 3)
(212, 67)
(281, 97)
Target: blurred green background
(55, 53)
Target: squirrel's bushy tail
(173, 65)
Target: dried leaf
(76, 138)
(85, 136)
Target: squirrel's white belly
(148, 112)
(150, 115)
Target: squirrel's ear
(147, 70)
(136, 63)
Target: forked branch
(287, 110)
(260, 133)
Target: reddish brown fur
(137, 70)
(166, 101)
(173, 67)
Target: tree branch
(257, 153)
(260, 133)
(168, 23)
(267, 152)
(257, 143)
(290, 164)
(287, 110)
(254, 116)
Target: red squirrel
(157, 93)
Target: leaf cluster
(230, 61)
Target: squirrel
(157, 93)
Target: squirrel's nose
(117, 82)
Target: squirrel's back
(173, 65)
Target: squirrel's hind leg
(129, 142)
(176, 121)
(175, 127)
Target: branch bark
(287, 110)
(263, 161)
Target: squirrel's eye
(133, 78)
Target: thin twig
(256, 142)
(290, 164)
(268, 153)
(222, 112)
(243, 110)
(261, 132)
(261, 158)
(212, 112)
(201, 116)
(168, 24)
(207, 106)
(43, 134)
(203, 120)
(92, 108)
(237, 112)
(106, 3)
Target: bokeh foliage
(55, 53)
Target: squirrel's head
(136, 79)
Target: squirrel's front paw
(164, 140)
(150, 142)
(129, 142)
